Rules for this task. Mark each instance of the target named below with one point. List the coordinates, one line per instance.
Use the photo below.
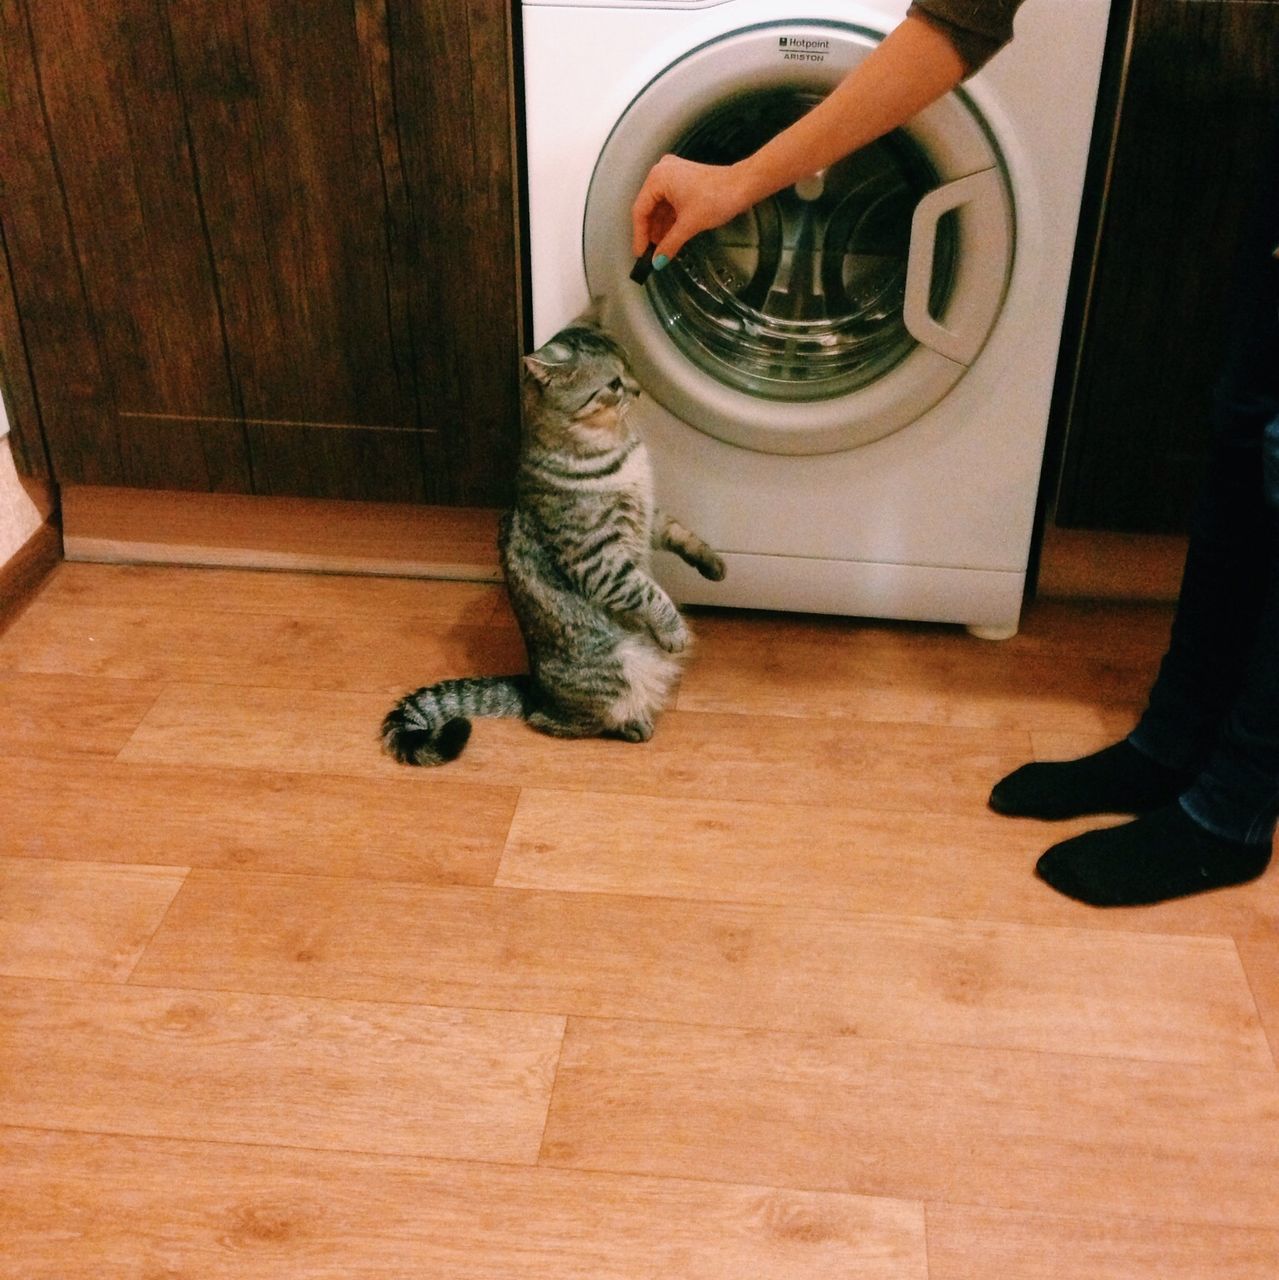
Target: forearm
(915, 65)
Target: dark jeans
(1215, 704)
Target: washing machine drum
(840, 309)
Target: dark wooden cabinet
(262, 246)
(271, 246)
(1194, 95)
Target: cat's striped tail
(432, 725)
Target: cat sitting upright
(602, 637)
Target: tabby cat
(602, 636)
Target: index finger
(641, 214)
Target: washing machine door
(839, 310)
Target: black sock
(1163, 854)
(1118, 779)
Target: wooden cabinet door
(262, 246)
(1200, 90)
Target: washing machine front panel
(840, 310)
(933, 521)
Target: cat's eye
(615, 385)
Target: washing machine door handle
(982, 267)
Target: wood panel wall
(262, 248)
(1201, 87)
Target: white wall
(19, 516)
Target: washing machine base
(987, 601)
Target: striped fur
(603, 638)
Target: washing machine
(847, 387)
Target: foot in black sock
(1118, 779)
(1161, 855)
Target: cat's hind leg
(559, 725)
(634, 731)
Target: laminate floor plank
(1076, 991)
(1259, 952)
(875, 674)
(62, 717)
(774, 995)
(1130, 632)
(391, 1078)
(389, 654)
(79, 920)
(290, 595)
(1050, 744)
(190, 816)
(1032, 1131)
(80, 1207)
(961, 866)
(1127, 630)
(966, 1243)
(775, 758)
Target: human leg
(1223, 591)
(1218, 614)
(1225, 586)
(1220, 831)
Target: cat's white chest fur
(636, 475)
(635, 479)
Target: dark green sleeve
(977, 28)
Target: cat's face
(582, 377)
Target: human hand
(679, 198)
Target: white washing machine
(848, 386)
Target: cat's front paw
(675, 638)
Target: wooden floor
(771, 997)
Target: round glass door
(802, 297)
(839, 310)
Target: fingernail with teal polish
(660, 261)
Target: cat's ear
(545, 360)
(539, 370)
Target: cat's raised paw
(712, 567)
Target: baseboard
(27, 568)
(1086, 564)
(144, 526)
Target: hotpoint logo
(802, 49)
(801, 42)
